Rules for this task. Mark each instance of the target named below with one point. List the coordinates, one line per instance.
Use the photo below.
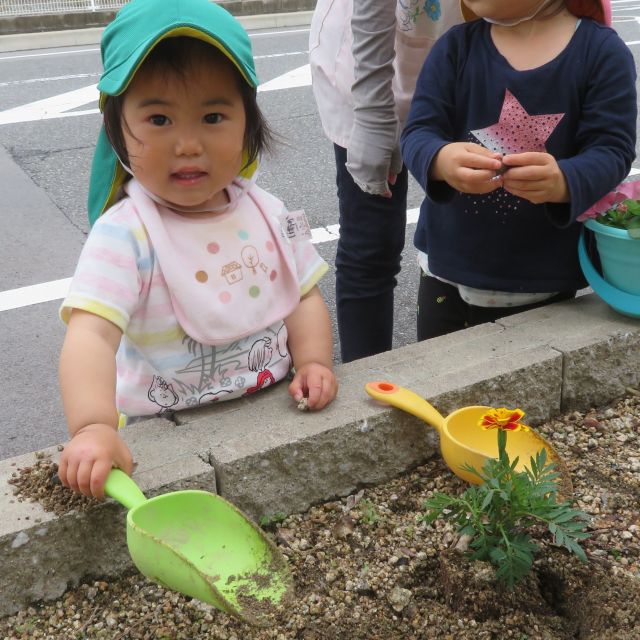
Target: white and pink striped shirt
(224, 280)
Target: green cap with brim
(125, 44)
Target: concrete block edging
(270, 458)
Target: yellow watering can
(463, 441)
(199, 544)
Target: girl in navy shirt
(520, 121)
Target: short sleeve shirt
(159, 366)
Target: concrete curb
(269, 458)
(92, 35)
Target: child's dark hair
(174, 57)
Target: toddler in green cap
(194, 285)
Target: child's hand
(535, 176)
(467, 167)
(315, 382)
(89, 457)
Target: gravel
(368, 567)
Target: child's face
(506, 9)
(184, 135)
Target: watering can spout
(123, 489)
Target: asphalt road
(48, 126)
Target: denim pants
(372, 232)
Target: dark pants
(372, 231)
(441, 310)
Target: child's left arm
(534, 176)
(311, 346)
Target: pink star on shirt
(516, 131)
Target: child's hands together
(467, 167)
(88, 458)
(315, 382)
(472, 168)
(534, 176)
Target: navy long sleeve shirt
(580, 107)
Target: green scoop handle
(122, 488)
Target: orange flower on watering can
(503, 419)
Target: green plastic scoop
(199, 544)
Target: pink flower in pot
(619, 209)
(615, 221)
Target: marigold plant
(500, 513)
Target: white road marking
(57, 289)
(25, 296)
(48, 53)
(54, 107)
(53, 79)
(300, 77)
(71, 52)
(97, 74)
(63, 104)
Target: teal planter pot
(619, 284)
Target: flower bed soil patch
(368, 568)
(40, 483)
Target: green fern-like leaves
(499, 513)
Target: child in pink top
(195, 285)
